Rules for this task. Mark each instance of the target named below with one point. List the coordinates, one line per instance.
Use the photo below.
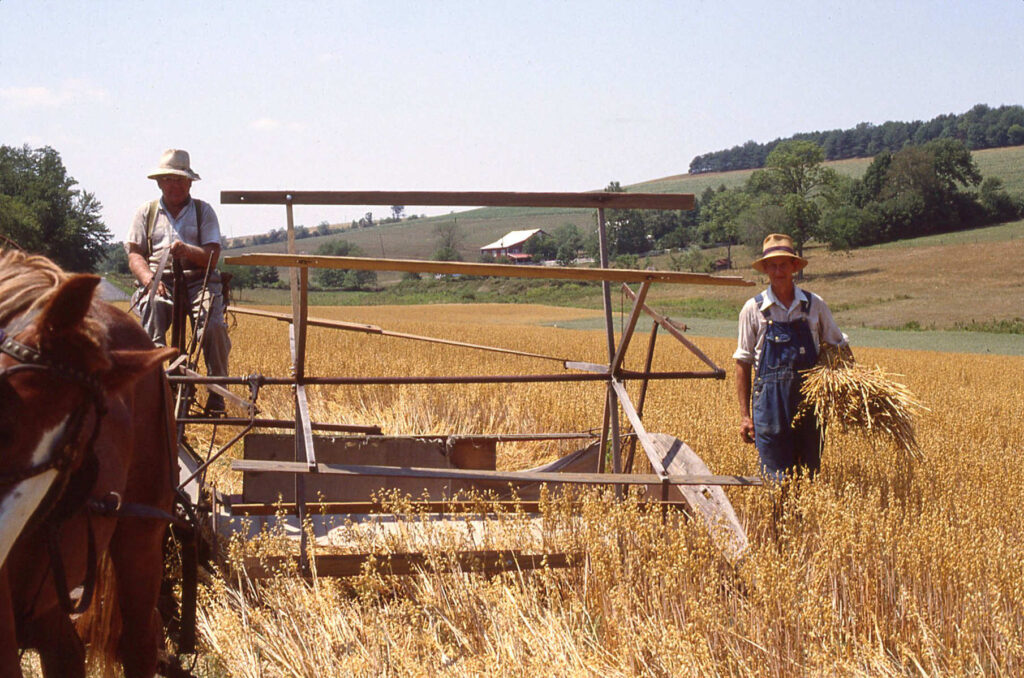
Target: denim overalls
(788, 348)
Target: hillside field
(414, 239)
(883, 566)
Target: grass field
(883, 566)
(938, 292)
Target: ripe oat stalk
(840, 391)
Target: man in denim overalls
(780, 331)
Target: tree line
(915, 191)
(43, 210)
(981, 127)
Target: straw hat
(778, 245)
(174, 161)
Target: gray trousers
(207, 313)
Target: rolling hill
(414, 239)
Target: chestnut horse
(85, 430)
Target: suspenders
(805, 304)
(154, 208)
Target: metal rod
(373, 329)
(203, 466)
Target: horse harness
(77, 470)
(65, 452)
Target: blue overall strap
(759, 299)
(806, 303)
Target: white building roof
(511, 239)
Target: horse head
(56, 373)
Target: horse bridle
(66, 451)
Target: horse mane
(28, 282)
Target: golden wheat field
(883, 565)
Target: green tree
(568, 243)
(448, 238)
(42, 210)
(541, 247)
(115, 259)
(723, 217)
(346, 279)
(794, 179)
(998, 204)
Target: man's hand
(161, 290)
(181, 250)
(743, 371)
(747, 430)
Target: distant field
(414, 239)
(940, 284)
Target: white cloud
(272, 125)
(40, 96)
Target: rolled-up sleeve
(828, 330)
(746, 341)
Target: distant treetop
(981, 127)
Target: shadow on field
(840, 275)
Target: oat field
(883, 565)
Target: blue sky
(548, 96)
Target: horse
(86, 430)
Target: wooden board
(594, 199)
(622, 275)
(259, 486)
(708, 501)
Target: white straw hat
(174, 161)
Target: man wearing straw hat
(186, 229)
(780, 331)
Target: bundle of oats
(841, 392)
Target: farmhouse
(511, 245)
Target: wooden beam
(304, 427)
(627, 331)
(471, 268)
(650, 447)
(591, 200)
(254, 465)
(282, 423)
(673, 329)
